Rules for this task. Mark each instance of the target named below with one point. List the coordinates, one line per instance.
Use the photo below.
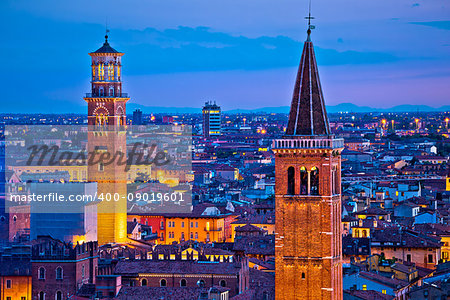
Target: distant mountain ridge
(342, 107)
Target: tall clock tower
(107, 133)
(307, 194)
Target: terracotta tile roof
(166, 293)
(175, 267)
(394, 237)
(390, 282)
(368, 295)
(264, 245)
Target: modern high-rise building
(211, 119)
(307, 191)
(137, 117)
(106, 133)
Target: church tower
(107, 134)
(307, 193)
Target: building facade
(211, 119)
(59, 270)
(308, 241)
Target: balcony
(118, 95)
(308, 143)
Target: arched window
(183, 282)
(223, 283)
(82, 271)
(163, 282)
(58, 295)
(201, 283)
(303, 181)
(291, 181)
(41, 296)
(41, 273)
(303, 275)
(59, 273)
(111, 91)
(144, 282)
(101, 92)
(314, 181)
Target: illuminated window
(303, 181)
(314, 181)
(383, 291)
(364, 287)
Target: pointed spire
(308, 116)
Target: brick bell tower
(307, 194)
(107, 133)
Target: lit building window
(364, 287)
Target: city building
(59, 269)
(308, 243)
(106, 133)
(137, 117)
(211, 119)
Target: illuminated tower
(106, 133)
(307, 191)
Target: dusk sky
(242, 54)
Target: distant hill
(342, 107)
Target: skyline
(367, 56)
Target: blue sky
(243, 54)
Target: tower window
(144, 282)
(314, 181)
(59, 295)
(163, 282)
(291, 181)
(183, 282)
(303, 275)
(303, 181)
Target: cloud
(436, 24)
